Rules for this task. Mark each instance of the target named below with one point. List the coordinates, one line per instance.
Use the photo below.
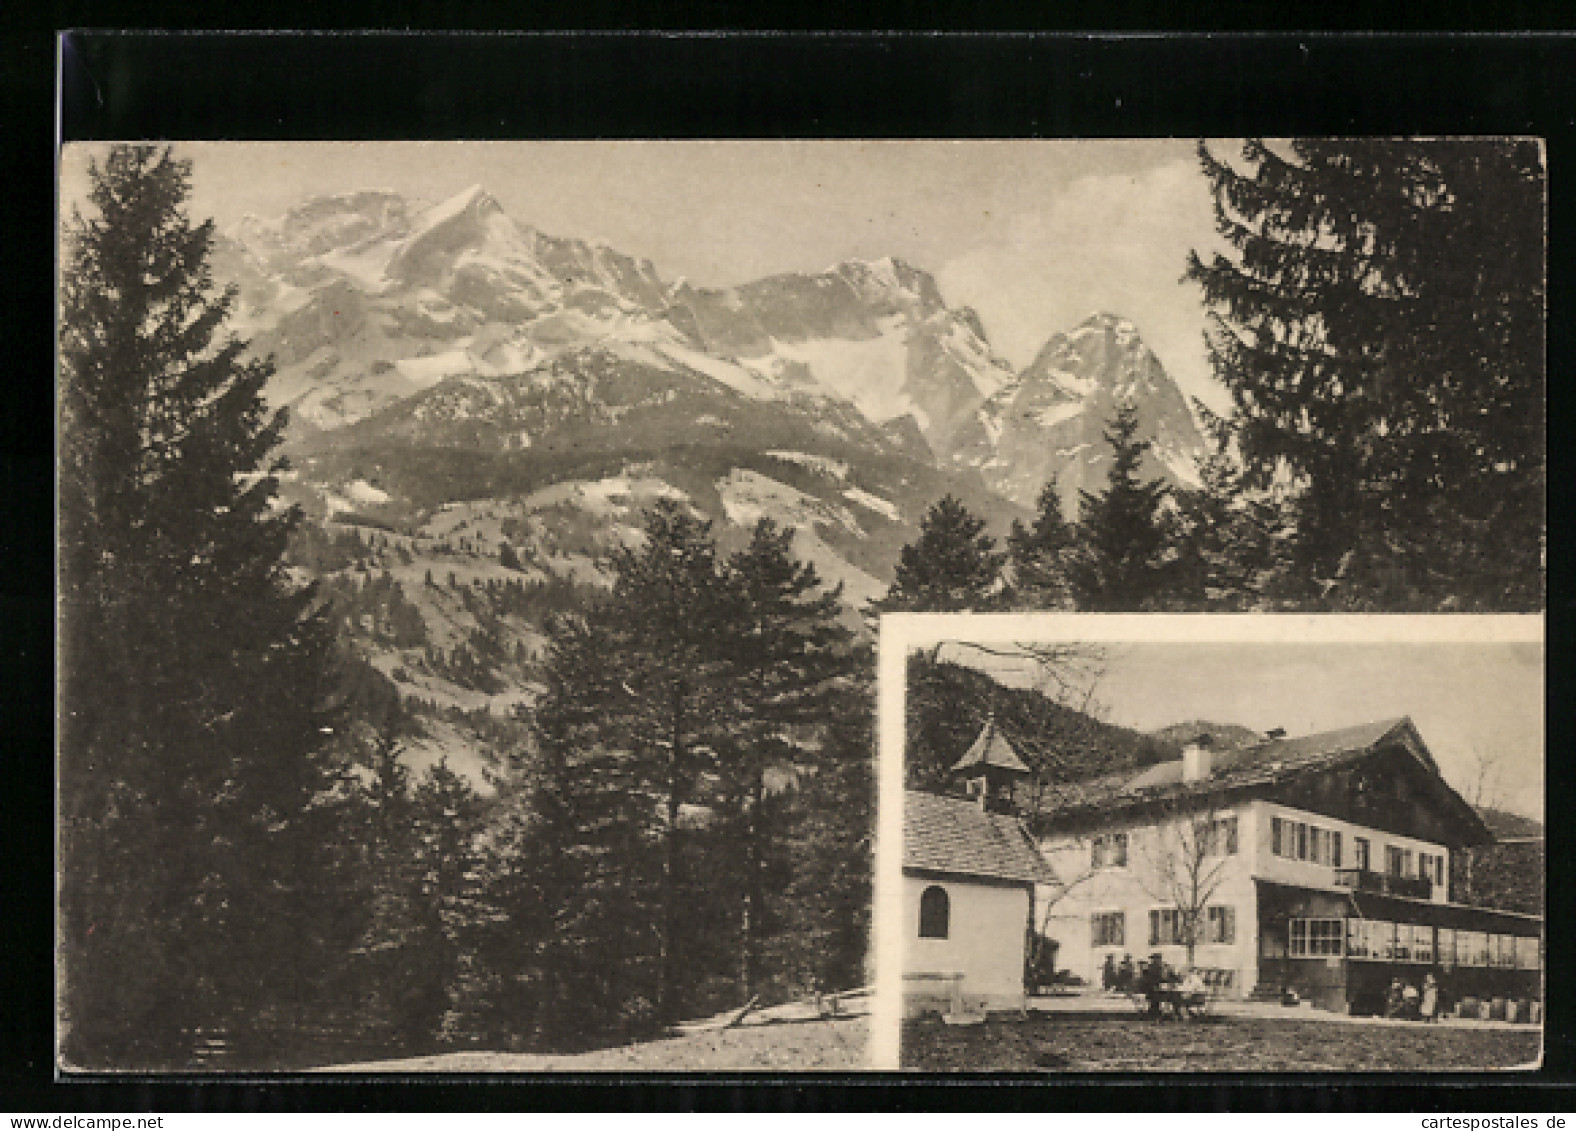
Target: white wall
(985, 941)
(1140, 888)
(1305, 873)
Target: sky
(1472, 703)
(1035, 235)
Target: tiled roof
(991, 748)
(1267, 762)
(950, 834)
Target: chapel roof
(955, 835)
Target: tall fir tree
(826, 905)
(1040, 555)
(1231, 535)
(192, 669)
(953, 566)
(670, 612)
(587, 897)
(1380, 326)
(1123, 561)
(792, 659)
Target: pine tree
(826, 906)
(668, 619)
(192, 669)
(1040, 554)
(1380, 328)
(953, 566)
(1229, 542)
(791, 659)
(586, 897)
(1122, 563)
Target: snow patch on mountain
(363, 492)
(868, 374)
(873, 503)
(823, 465)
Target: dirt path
(834, 1045)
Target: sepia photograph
(1247, 846)
(472, 558)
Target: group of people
(1410, 1003)
(1161, 986)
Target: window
(1422, 943)
(1165, 927)
(1109, 851)
(1526, 952)
(1108, 928)
(1314, 938)
(1221, 925)
(1504, 950)
(1326, 847)
(1217, 837)
(1289, 838)
(1472, 948)
(935, 909)
(1403, 942)
(1431, 867)
(1397, 861)
(1445, 943)
(1357, 938)
(1381, 940)
(1360, 857)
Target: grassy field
(1072, 1042)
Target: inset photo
(1212, 844)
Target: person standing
(1428, 1008)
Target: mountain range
(459, 380)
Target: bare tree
(1062, 672)
(1187, 857)
(1484, 777)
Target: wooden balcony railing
(1360, 879)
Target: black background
(675, 84)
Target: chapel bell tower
(991, 770)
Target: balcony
(1378, 883)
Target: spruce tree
(1380, 328)
(1229, 542)
(953, 566)
(1040, 554)
(586, 909)
(791, 660)
(192, 670)
(1123, 559)
(669, 615)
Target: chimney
(1195, 759)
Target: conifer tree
(826, 906)
(587, 894)
(1040, 554)
(192, 671)
(1380, 327)
(668, 617)
(1229, 542)
(1123, 562)
(791, 659)
(953, 565)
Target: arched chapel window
(934, 911)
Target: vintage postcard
(473, 554)
(1225, 844)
